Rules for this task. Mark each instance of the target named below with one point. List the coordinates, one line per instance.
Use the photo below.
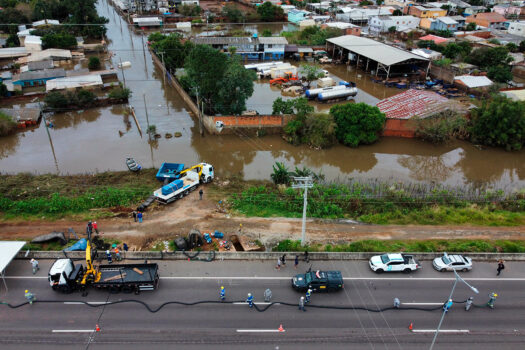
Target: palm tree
(280, 175)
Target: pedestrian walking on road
(501, 266)
(301, 304)
(134, 216)
(90, 227)
(267, 295)
(108, 255)
(306, 257)
(125, 247)
(34, 265)
(308, 295)
(278, 267)
(283, 259)
(95, 227)
(492, 299)
(223, 293)
(447, 305)
(249, 300)
(201, 192)
(139, 216)
(29, 296)
(296, 262)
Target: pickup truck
(395, 262)
(318, 281)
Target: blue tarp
(80, 245)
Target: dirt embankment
(167, 222)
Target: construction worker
(249, 300)
(308, 295)
(301, 304)
(492, 299)
(29, 296)
(117, 254)
(95, 227)
(267, 295)
(201, 192)
(89, 227)
(108, 255)
(468, 304)
(223, 293)
(34, 264)
(447, 305)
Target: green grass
(422, 246)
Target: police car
(318, 281)
(393, 262)
(452, 262)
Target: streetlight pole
(304, 183)
(458, 278)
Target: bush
(56, 100)
(7, 124)
(441, 127)
(94, 63)
(444, 62)
(85, 98)
(59, 41)
(80, 99)
(357, 123)
(500, 74)
(120, 93)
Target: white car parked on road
(395, 262)
(452, 262)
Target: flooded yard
(100, 139)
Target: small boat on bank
(133, 165)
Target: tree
(392, 29)
(512, 47)
(471, 27)
(397, 12)
(281, 106)
(266, 33)
(157, 36)
(94, 63)
(59, 41)
(500, 74)
(120, 93)
(12, 40)
(56, 100)
(379, 2)
(233, 13)
(499, 122)
(453, 50)
(357, 123)
(486, 57)
(7, 124)
(189, 10)
(280, 175)
(10, 17)
(521, 46)
(365, 3)
(85, 98)
(173, 50)
(311, 72)
(269, 12)
(3, 90)
(236, 87)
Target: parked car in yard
(452, 262)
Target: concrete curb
(153, 255)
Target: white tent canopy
(8, 251)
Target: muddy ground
(167, 222)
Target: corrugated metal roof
(472, 81)
(47, 64)
(74, 82)
(516, 95)
(446, 20)
(413, 102)
(13, 52)
(221, 40)
(273, 40)
(50, 54)
(379, 52)
(42, 74)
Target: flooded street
(100, 139)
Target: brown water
(100, 139)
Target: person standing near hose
(29, 296)
(267, 295)
(308, 295)
(501, 266)
(222, 293)
(34, 265)
(249, 300)
(301, 304)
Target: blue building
(38, 78)
(264, 48)
(444, 23)
(296, 16)
(272, 47)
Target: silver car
(452, 262)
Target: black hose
(259, 309)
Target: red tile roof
(412, 102)
(436, 39)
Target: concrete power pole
(303, 183)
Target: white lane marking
(72, 330)
(421, 303)
(441, 331)
(255, 303)
(87, 302)
(260, 331)
(488, 279)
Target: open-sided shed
(8, 251)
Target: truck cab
(63, 275)
(318, 281)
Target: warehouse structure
(374, 56)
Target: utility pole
(147, 117)
(122, 69)
(163, 67)
(303, 183)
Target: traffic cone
(281, 329)
(410, 327)
(97, 328)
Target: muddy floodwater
(100, 139)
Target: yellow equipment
(197, 168)
(91, 275)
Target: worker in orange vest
(117, 254)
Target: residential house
(436, 39)
(461, 21)
(33, 43)
(444, 23)
(424, 12)
(382, 24)
(400, 3)
(190, 2)
(147, 21)
(46, 23)
(361, 16)
(472, 10)
(426, 23)
(39, 77)
(272, 47)
(508, 10)
(427, 53)
(296, 16)
(287, 8)
(348, 28)
(517, 28)
(490, 20)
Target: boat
(133, 165)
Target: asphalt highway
(67, 324)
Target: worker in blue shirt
(447, 305)
(249, 300)
(223, 293)
(308, 295)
